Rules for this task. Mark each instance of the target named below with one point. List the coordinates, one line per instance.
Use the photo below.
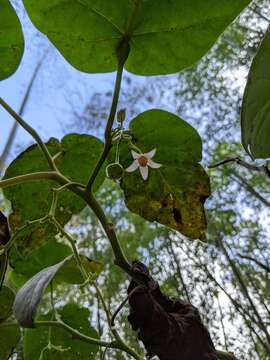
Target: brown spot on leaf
(4, 230)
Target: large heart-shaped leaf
(255, 117)
(29, 296)
(11, 40)
(35, 340)
(47, 255)
(9, 338)
(165, 36)
(174, 194)
(4, 239)
(77, 156)
(6, 300)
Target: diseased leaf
(255, 117)
(4, 239)
(76, 157)
(165, 36)
(11, 40)
(6, 300)
(174, 194)
(29, 296)
(47, 255)
(9, 338)
(35, 340)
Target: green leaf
(9, 338)
(165, 36)
(76, 158)
(47, 255)
(11, 40)
(174, 194)
(3, 268)
(35, 340)
(6, 301)
(29, 296)
(255, 117)
(4, 239)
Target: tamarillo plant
(155, 161)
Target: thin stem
(32, 132)
(107, 135)
(222, 324)
(259, 263)
(242, 310)
(262, 169)
(36, 176)
(76, 334)
(238, 275)
(53, 205)
(74, 248)
(124, 346)
(176, 264)
(122, 53)
(120, 307)
(225, 355)
(244, 183)
(112, 328)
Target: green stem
(118, 338)
(120, 258)
(76, 334)
(32, 132)
(74, 248)
(122, 54)
(42, 175)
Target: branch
(120, 307)
(243, 311)
(263, 266)
(262, 169)
(243, 182)
(176, 263)
(225, 355)
(125, 347)
(238, 275)
(75, 333)
(32, 132)
(42, 175)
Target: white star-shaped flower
(142, 161)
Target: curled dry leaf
(4, 239)
(170, 329)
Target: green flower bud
(121, 115)
(114, 171)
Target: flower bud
(121, 115)
(114, 171)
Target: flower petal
(150, 154)
(135, 154)
(144, 172)
(133, 166)
(153, 164)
